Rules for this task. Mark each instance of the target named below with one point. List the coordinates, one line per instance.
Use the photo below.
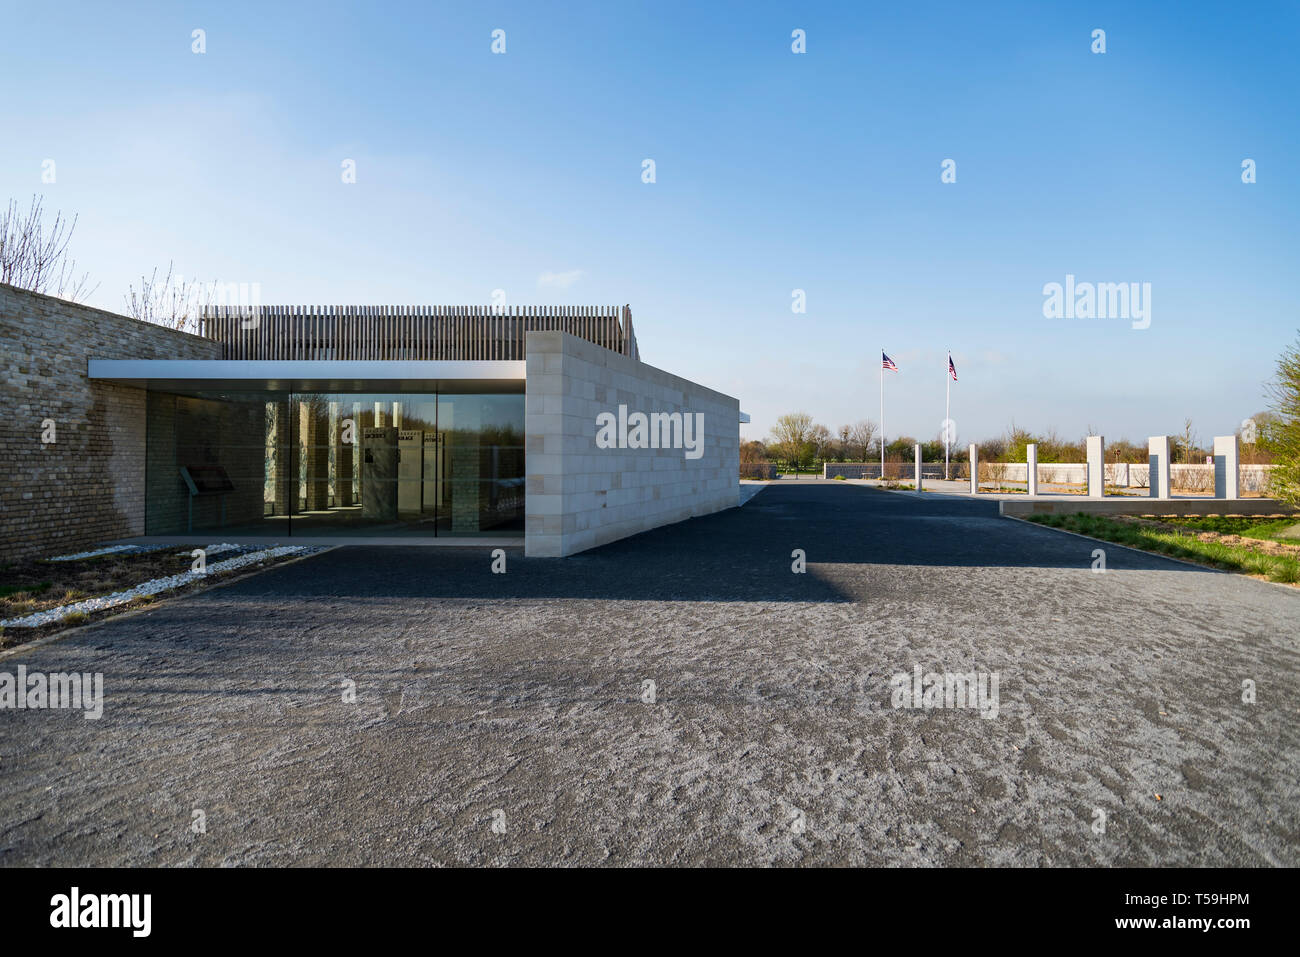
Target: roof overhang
(325, 375)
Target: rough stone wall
(904, 471)
(466, 474)
(579, 496)
(89, 484)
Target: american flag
(887, 363)
(952, 369)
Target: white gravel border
(136, 550)
(149, 588)
(107, 550)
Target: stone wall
(89, 484)
(578, 496)
(1183, 477)
(1254, 478)
(903, 471)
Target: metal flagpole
(882, 414)
(947, 416)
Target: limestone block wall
(89, 484)
(578, 496)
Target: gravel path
(771, 740)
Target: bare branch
(35, 257)
(172, 302)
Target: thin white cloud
(559, 280)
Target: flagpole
(947, 415)
(882, 414)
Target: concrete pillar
(316, 447)
(356, 449)
(342, 456)
(1096, 466)
(918, 467)
(974, 469)
(1227, 471)
(1158, 464)
(1031, 467)
(286, 455)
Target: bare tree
(821, 441)
(35, 257)
(845, 432)
(863, 432)
(1188, 441)
(173, 302)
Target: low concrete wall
(578, 495)
(89, 484)
(902, 471)
(1019, 508)
(1254, 478)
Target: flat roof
(310, 375)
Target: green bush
(1281, 433)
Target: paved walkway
(771, 738)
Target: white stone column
(918, 466)
(1031, 467)
(1227, 461)
(974, 469)
(1096, 466)
(1158, 466)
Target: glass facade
(335, 464)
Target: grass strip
(1236, 558)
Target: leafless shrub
(1256, 479)
(173, 302)
(35, 257)
(995, 472)
(1192, 478)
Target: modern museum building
(405, 424)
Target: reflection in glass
(337, 464)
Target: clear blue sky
(775, 171)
